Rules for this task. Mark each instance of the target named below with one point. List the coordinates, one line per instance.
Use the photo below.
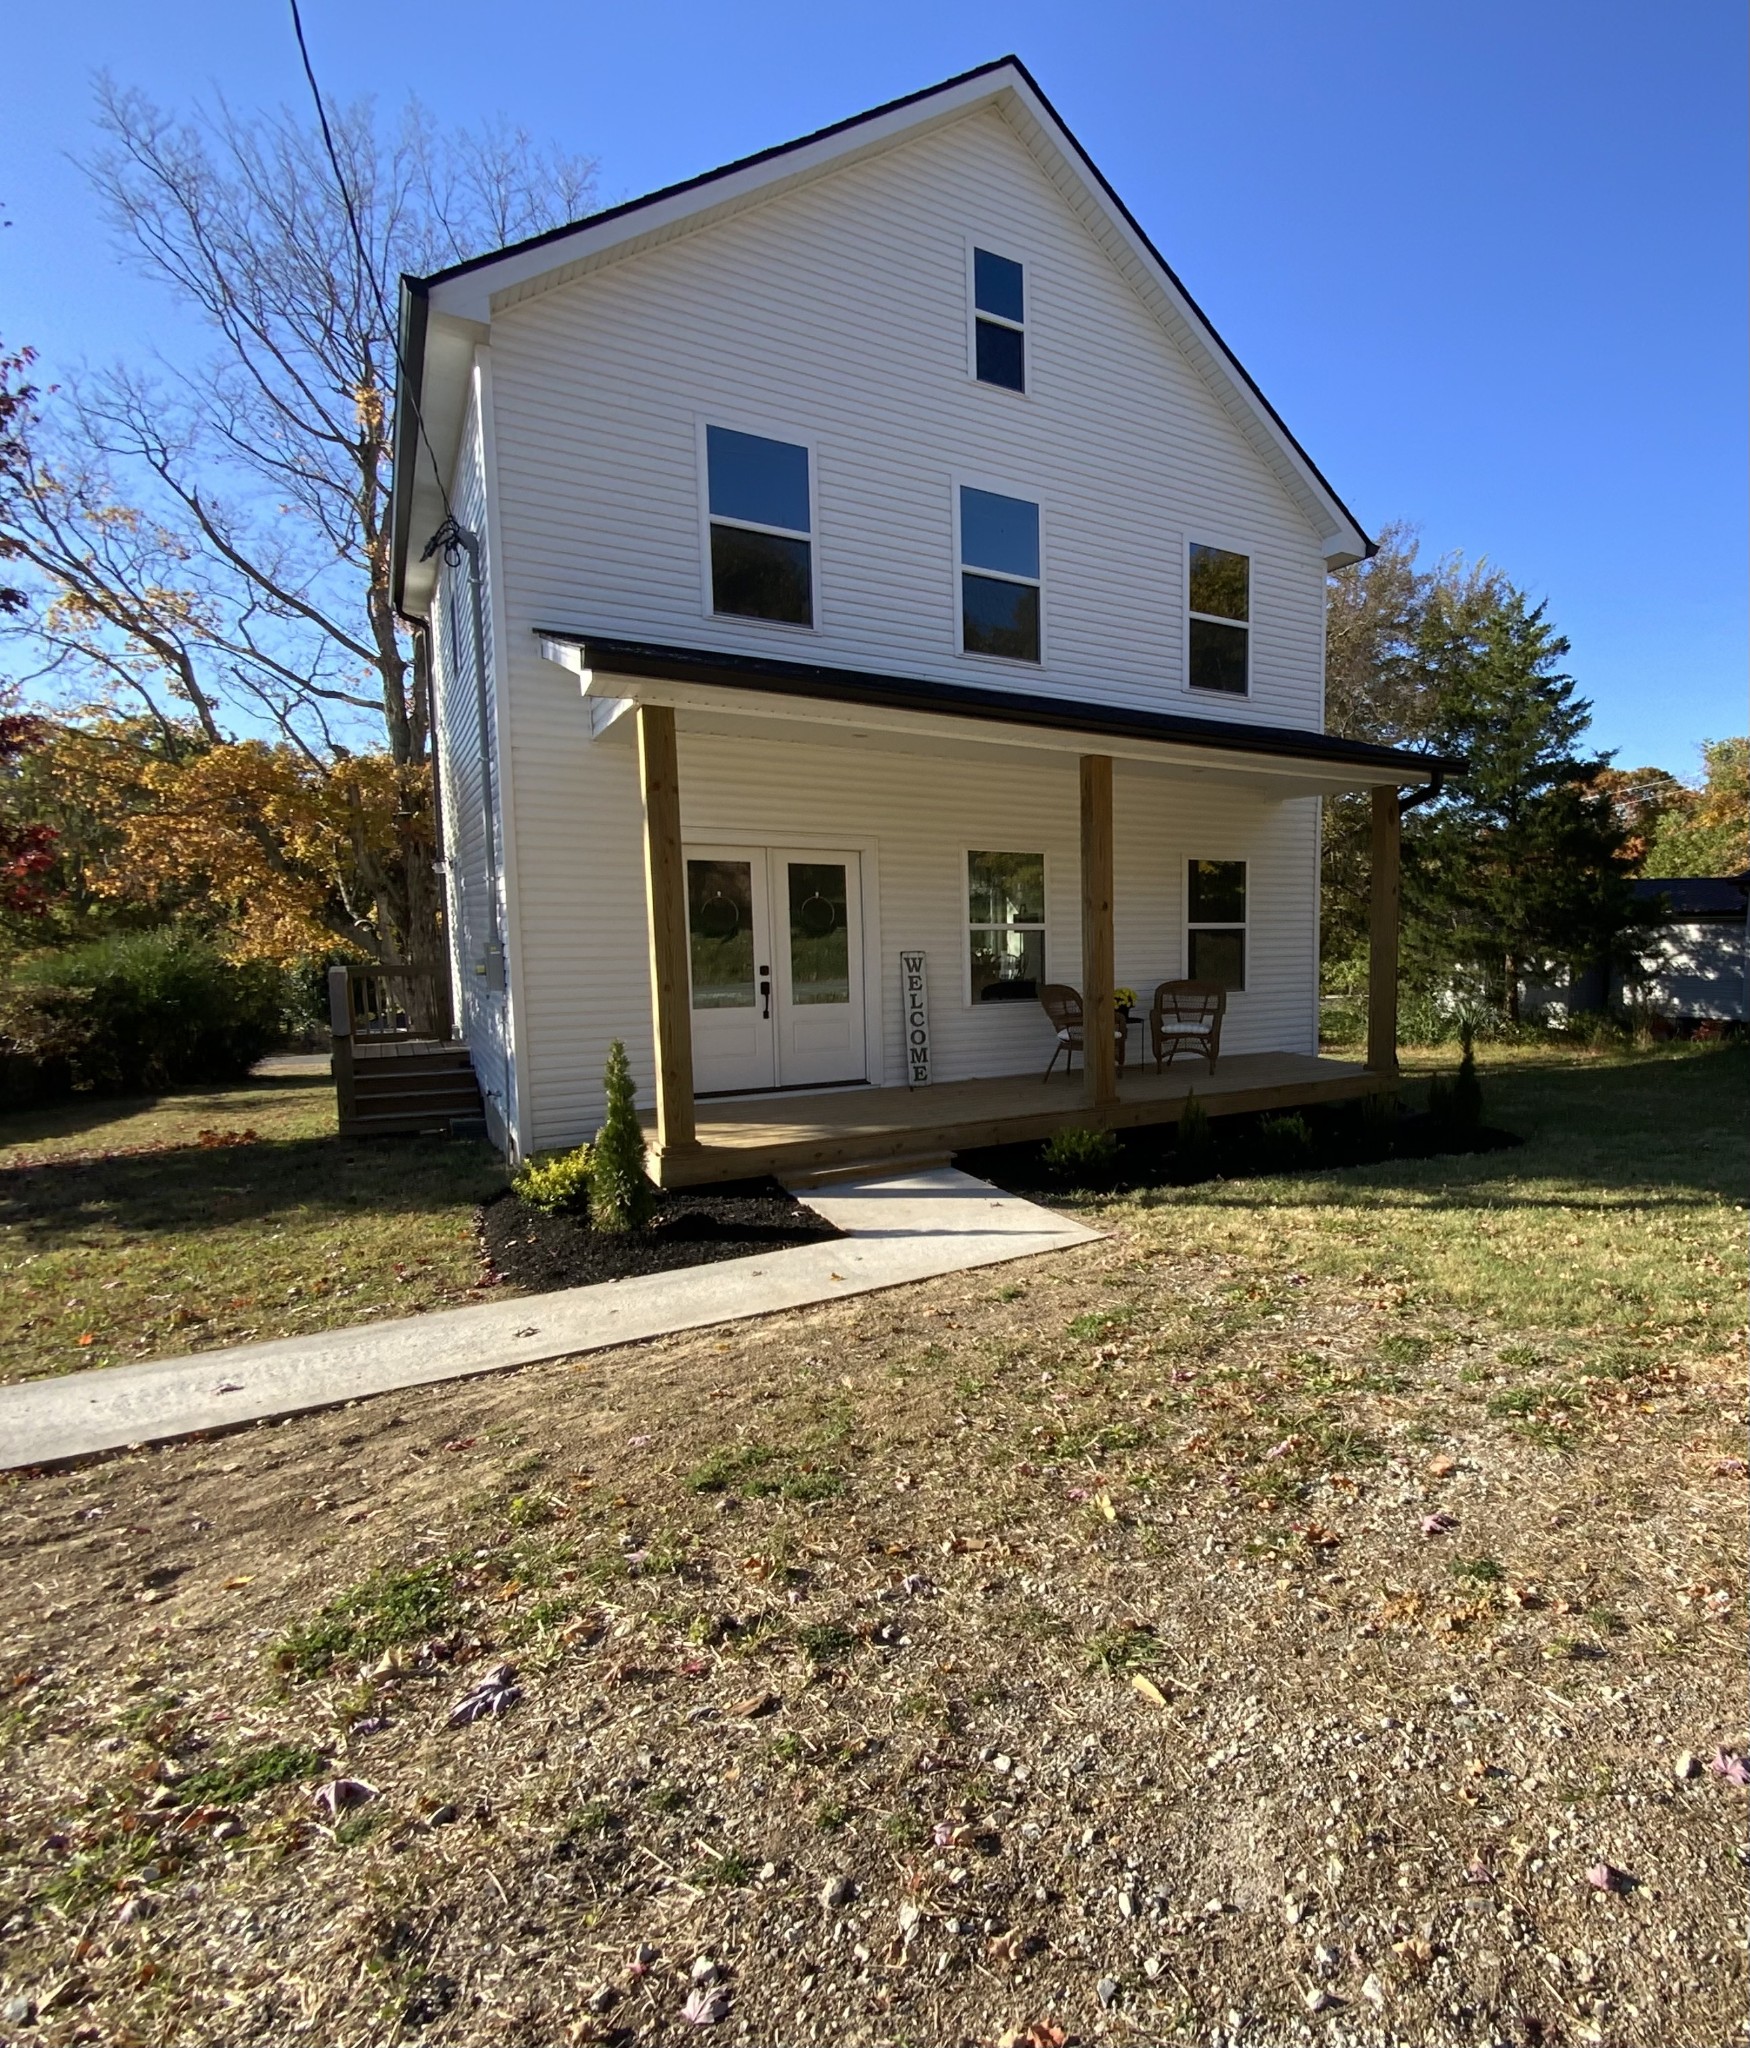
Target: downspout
(1423, 796)
(419, 631)
(455, 540)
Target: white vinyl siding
(472, 846)
(839, 309)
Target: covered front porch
(801, 1135)
(720, 710)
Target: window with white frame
(999, 575)
(999, 320)
(1005, 914)
(762, 550)
(1215, 922)
(1219, 651)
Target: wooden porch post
(1382, 937)
(1099, 1062)
(665, 892)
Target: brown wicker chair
(1063, 1005)
(1185, 1016)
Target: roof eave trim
(756, 674)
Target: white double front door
(775, 938)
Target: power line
(390, 327)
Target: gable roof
(444, 315)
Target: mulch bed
(1240, 1148)
(691, 1227)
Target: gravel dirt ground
(1239, 1630)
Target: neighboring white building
(879, 489)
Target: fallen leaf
(1605, 1877)
(1149, 1690)
(708, 2006)
(1035, 2034)
(1732, 1768)
(755, 1704)
(493, 1695)
(343, 1795)
(1438, 1524)
(1442, 1468)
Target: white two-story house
(861, 589)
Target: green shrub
(141, 1011)
(620, 1194)
(557, 1182)
(1083, 1154)
(1289, 1138)
(1195, 1142)
(1379, 1121)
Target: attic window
(999, 321)
(762, 553)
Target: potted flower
(1124, 1001)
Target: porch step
(868, 1169)
(415, 1085)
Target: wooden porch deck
(807, 1134)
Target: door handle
(766, 993)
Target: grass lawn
(137, 1229)
(1309, 1614)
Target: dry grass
(136, 1229)
(1069, 1627)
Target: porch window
(1005, 895)
(999, 575)
(999, 320)
(1215, 922)
(1219, 651)
(762, 552)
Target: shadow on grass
(1660, 1131)
(192, 1188)
(230, 1103)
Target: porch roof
(615, 672)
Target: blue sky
(1487, 260)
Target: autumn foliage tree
(206, 546)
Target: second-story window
(762, 551)
(999, 321)
(1219, 650)
(999, 575)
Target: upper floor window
(999, 575)
(762, 551)
(999, 321)
(1219, 650)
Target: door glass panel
(820, 941)
(720, 928)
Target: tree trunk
(1513, 968)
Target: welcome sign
(914, 1005)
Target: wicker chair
(1185, 1016)
(1063, 1005)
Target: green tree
(620, 1194)
(1382, 683)
(1520, 866)
(1710, 833)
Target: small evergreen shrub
(1379, 1122)
(557, 1182)
(142, 1011)
(1081, 1154)
(621, 1197)
(1195, 1142)
(1289, 1139)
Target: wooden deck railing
(387, 1002)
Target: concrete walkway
(909, 1227)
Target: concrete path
(909, 1227)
